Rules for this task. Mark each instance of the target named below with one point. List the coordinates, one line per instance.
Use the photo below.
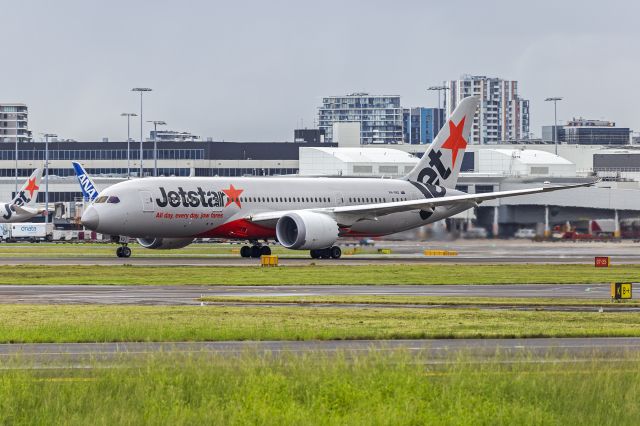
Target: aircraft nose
(90, 218)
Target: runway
(189, 295)
(303, 261)
(432, 351)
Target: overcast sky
(254, 70)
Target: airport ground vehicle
(32, 232)
(475, 233)
(525, 233)
(302, 213)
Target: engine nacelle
(306, 231)
(164, 243)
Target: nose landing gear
(123, 251)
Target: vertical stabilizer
(88, 188)
(29, 191)
(440, 165)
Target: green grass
(385, 390)
(88, 323)
(319, 274)
(417, 300)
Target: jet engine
(306, 230)
(164, 243)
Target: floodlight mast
(128, 115)
(156, 123)
(555, 119)
(141, 90)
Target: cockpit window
(113, 200)
(101, 199)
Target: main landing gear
(255, 251)
(328, 253)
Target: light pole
(141, 90)
(439, 89)
(128, 115)
(16, 192)
(555, 119)
(46, 176)
(155, 144)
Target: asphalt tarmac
(189, 295)
(86, 355)
(299, 261)
(402, 252)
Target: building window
(483, 189)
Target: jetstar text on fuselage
(21, 200)
(197, 198)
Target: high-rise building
(14, 123)
(380, 116)
(421, 125)
(502, 114)
(581, 131)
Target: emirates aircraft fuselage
(218, 207)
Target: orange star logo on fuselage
(233, 195)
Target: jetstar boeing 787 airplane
(19, 209)
(302, 213)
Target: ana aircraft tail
(440, 165)
(89, 189)
(29, 191)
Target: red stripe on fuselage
(240, 228)
(244, 229)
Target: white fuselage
(8, 214)
(218, 207)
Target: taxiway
(430, 351)
(189, 295)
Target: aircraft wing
(371, 211)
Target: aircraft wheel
(119, 251)
(245, 251)
(325, 253)
(335, 252)
(255, 251)
(265, 251)
(314, 254)
(126, 251)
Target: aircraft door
(147, 201)
(339, 199)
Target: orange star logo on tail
(455, 141)
(31, 187)
(233, 195)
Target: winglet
(88, 188)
